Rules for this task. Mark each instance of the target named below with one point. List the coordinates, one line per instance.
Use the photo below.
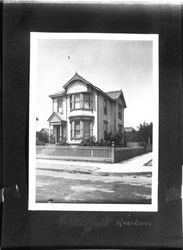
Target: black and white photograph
(93, 122)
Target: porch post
(49, 133)
(61, 131)
(113, 152)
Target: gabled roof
(75, 78)
(58, 115)
(116, 94)
(57, 94)
(113, 95)
(80, 78)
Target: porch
(59, 127)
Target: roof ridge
(113, 91)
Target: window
(105, 106)
(105, 129)
(119, 111)
(55, 105)
(86, 129)
(120, 128)
(81, 129)
(77, 101)
(77, 129)
(71, 103)
(86, 98)
(59, 105)
(81, 101)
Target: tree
(145, 132)
(41, 138)
(132, 136)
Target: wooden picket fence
(88, 153)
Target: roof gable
(55, 117)
(116, 95)
(76, 77)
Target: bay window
(81, 129)
(81, 101)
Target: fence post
(92, 152)
(113, 152)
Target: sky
(108, 64)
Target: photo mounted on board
(93, 122)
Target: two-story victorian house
(82, 110)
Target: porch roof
(56, 117)
(57, 94)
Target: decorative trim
(81, 117)
(89, 109)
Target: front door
(58, 133)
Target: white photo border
(32, 204)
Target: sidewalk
(134, 165)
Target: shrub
(52, 139)
(90, 141)
(40, 137)
(63, 142)
(116, 138)
(106, 143)
(40, 143)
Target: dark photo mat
(90, 229)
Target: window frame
(120, 128)
(84, 128)
(60, 101)
(120, 110)
(105, 106)
(78, 102)
(105, 129)
(84, 101)
(73, 131)
(81, 106)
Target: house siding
(109, 117)
(119, 121)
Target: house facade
(83, 110)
